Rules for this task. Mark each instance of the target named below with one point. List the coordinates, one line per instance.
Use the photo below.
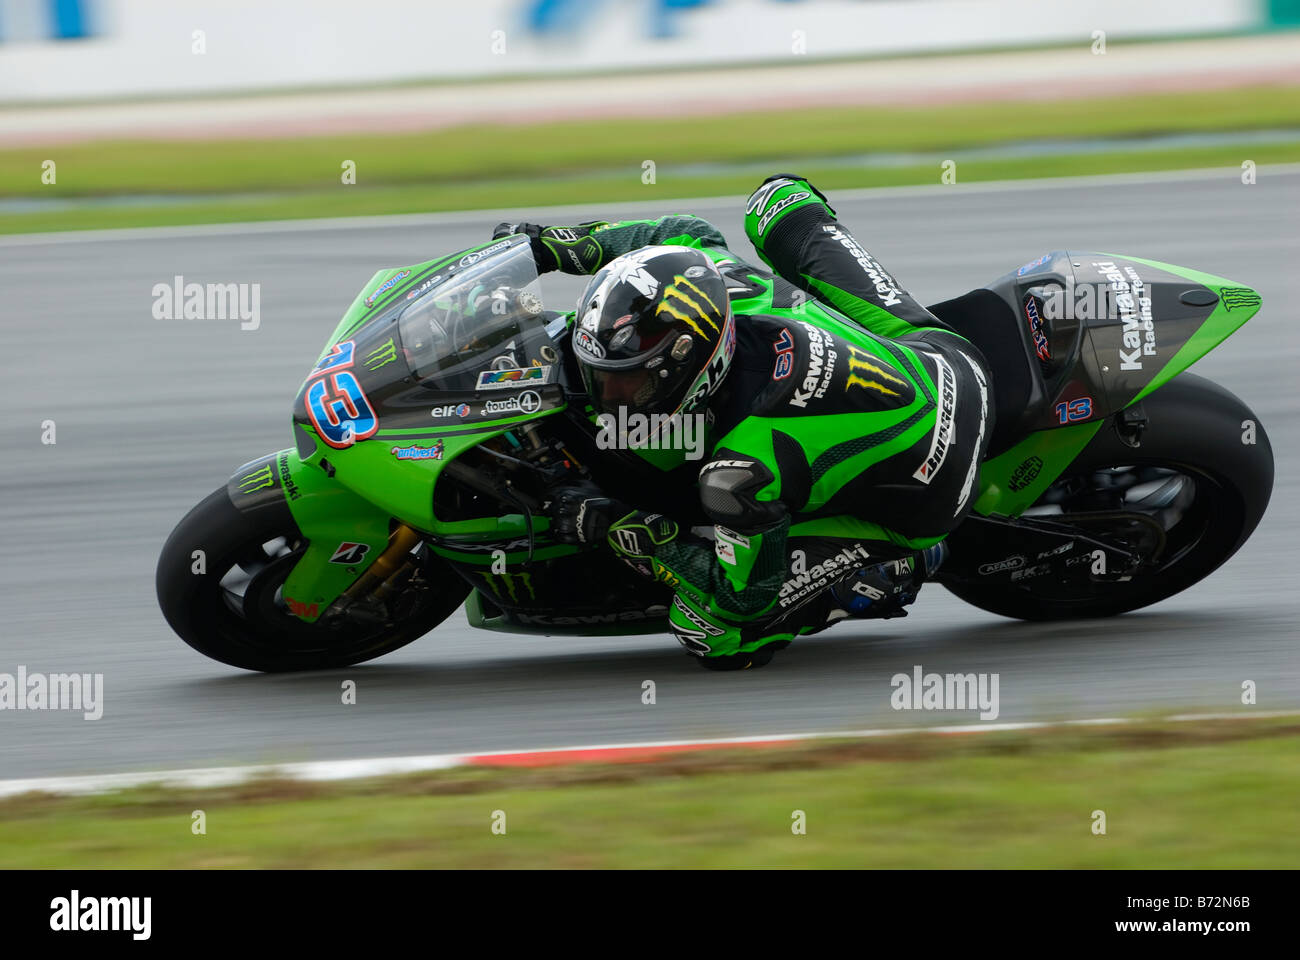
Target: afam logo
(386, 286)
(512, 377)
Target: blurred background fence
(109, 49)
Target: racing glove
(571, 249)
(581, 513)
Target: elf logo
(350, 553)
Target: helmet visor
(660, 389)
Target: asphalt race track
(153, 414)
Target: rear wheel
(233, 611)
(1185, 500)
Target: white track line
(569, 211)
(324, 770)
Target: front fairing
(388, 405)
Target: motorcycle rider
(845, 432)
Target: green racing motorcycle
(447, 402)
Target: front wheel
(229, 607)
(1203, 473)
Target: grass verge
(118, 184)
(1175, 795)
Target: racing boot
(881, 591)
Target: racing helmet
(654, 332)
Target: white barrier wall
(161, 47)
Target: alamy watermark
(76, 913)
(179, 300)
(653, 431)
(53, 691)
(946, 691)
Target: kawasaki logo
(807, 582)
(622, 616)
(821, 367)
(286, 478)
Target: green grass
(599, 190)
(1175, 796)
(601, 162)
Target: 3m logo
(300, 609)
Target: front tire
(247, 624)
(1196, 430)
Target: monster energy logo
(257, 480)
(682, 290)
(864, 368)
(508, 580)
(383, 354)
(1236, 297)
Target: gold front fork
(387, 565)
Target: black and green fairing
(404, 410)
(1074, 338)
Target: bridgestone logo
(941, 440)
(886, 288)
(968, 485)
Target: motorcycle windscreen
(482, 329)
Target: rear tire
(255, 631)
(1194, 428)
